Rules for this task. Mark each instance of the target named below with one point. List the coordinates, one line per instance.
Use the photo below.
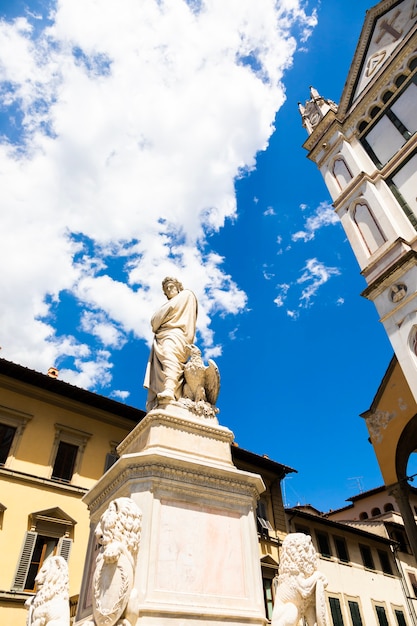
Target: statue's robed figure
(174, 326)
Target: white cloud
(281, 297)
(98, 325)
(269, 211)
(292, 314)
(120, 395)
(323, 216)
(122, 144)
(315, 274)
(90, 373)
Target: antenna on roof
(359, 483)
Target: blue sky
(139, 142)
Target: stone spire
(315, 109)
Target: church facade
(366, 150)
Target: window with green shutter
(382, 615)
(400, 617)
(355, 613)
(336, 611)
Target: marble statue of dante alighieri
(174, 330)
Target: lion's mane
(50, 605)
(120, 523)
(298, 556)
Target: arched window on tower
(341, 172)
(370, 232)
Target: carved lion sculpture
(114, 596)
(50, 605)
(300, 587)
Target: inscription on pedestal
(200, 551)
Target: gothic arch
(341, 171)
(370, 233)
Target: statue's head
(171, 286)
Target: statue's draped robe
(174, 327)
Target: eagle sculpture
(201, 382)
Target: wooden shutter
(24, 561)
(355, 613)
(336, 611)
(64, 547)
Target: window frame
(264, 525)
(14, 419)
(326, 537)
(413, 583)
(384, 554)
(395, 608)
(355, 601)
(53, 524)
(72, 436)
(336, 539)
(363, 548)
(383, 606)
(335, 600)
(387, 112)
(62, 548)
(111, 457)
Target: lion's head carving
(300, 589)
(52, 580)
(50, 605)
(298, 556)
(119, 528)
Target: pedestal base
(199, 559)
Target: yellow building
(392, 425)
(56, 440)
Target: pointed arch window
(341, 172)
(371, 234)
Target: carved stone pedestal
(198, 561)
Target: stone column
(400, 493)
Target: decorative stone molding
(377, 422)
(180, 479)
(176, 416)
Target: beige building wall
(363, 573)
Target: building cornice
(46, 483)
(42, 387)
